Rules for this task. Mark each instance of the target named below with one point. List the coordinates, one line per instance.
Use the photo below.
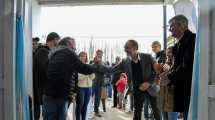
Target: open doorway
(94, 27)
(106, 27)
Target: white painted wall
(36, 12)
(28, 45)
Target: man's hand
(144, 86)
(164, 81)
(166, 67)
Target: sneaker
(98, 115)
(146, 117)
(120, 106)
(129, 112)
(109, 99)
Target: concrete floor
(114, 114)
(110, 114)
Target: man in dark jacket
(183, 55)
(139, 68)
(63, 67)
(40, 63)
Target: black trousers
(138, 105)
(37, 111)
(114, 96)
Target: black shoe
(146, 117)
(104, 110)
(113, 106)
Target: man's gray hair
(181, 20)
(66, 41)
(156, 43)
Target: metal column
(7, 38)
(164, 27)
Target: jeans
(139, 98)
(131, 96)
(109, 87)
(97, 91)
(55, 108)
(82, 101)
(172, 115)
(146, 106)
(169, 115)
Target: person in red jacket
(121, 87)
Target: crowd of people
(161, 83)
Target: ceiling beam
(96, 2)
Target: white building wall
(36, 12)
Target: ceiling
(99, 2)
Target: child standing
(121, 86)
